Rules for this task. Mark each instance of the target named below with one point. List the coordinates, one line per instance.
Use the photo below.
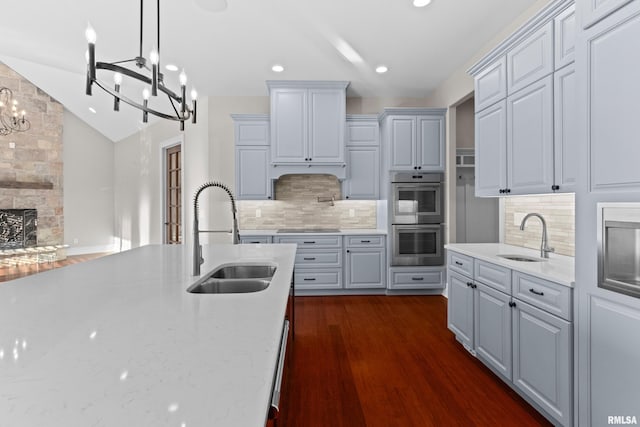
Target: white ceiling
(231, 52)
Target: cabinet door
(326, 125)
(595, 10)
(565, 141)
(565, 37)
(491, 150)
(530, 139)
(530, 60)
(491, 84)
(402, 135)
(363, 133)
(365, 268)
(460, 308)
(252, 173)
(542, 367)
(363, 175)
(289, 125)
(613, 89)
(492, 329)
(430, 143)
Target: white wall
(88, 188)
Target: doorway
(173, 194)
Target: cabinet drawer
(418, 279)
(364, 241)
(312, 241)
(530, 60)
(318, 258)
(463, 264)
(493, 275)
(549, 296)
(255, 239)
(328, 278)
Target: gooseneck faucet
(544, 246)
(197, 248)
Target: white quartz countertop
(341, 232)
(117, 341)
(558, 268)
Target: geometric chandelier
(11, 120)
(147, 77)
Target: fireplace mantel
(27, 185)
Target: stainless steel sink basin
(228, 286)
(521, 258)
(235, 279)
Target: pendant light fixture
(11, 119)
(147, 72)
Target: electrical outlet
(352, 213)
(12, 145)
(258, 213)
(517, 218)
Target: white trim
(82, 250)
(164, 145)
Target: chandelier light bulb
(154, 57)
(15, 102)
(117, 78)
(145, 94)
(194, 94)
(86, 55)
(183, 78)
(90, 34)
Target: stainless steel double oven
(417, 216)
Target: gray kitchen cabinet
(564, 27)
(531, 59)
(365, 262)
(491, 84)
(612, 87)
(519, 325)
(460, 308)
(530, 139)
(253, 239)
(307, 122)
(595, 11)
(491, 150)
(416, 139)
(542, 360)
(252, 157)
(565, 139)
(416, 278)
(363, 158)
(492, 328)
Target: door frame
(163, 147)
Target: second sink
(244, 271)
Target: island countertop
(117, 341)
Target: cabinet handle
(469, 284)
(512, 303)
(417, 177)
(533, 291)
(473, 286)
(555, 187)
(310, 259)
(255, 241)
(309, 243)
(458, 263)
(309, 279)
(365, 241)
(417, 279)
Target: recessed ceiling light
(93, 110)
(381, 69)
(421, 3)
(171, 67)
(278, 68)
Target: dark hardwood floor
(389, 361)
(14, 272)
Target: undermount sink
(521, 258)
(235, 279)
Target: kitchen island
(118, 341)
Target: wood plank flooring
(15, 272)
(370, 361)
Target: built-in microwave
(619, 247)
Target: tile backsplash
(297, 206)
(558, 211)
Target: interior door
(173, 195)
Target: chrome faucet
(197, 248)
(544, 246)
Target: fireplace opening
(18, 228)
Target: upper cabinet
(526, 131)
(363, 158)
(596, 10)
(252, 156)
(307, 122)
(414, 138)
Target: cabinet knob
(501, 191)
(512, 303)
(507, 190)
(555, 187)
(469, 284)
(415, 167)
(419, 167)
(346, 197)
(348, 251)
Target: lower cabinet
(365, 262)
(525, 336)
(416, 278)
